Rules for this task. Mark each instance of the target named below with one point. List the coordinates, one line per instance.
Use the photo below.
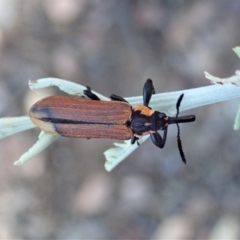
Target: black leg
(117, 98)
(134, 139)
(148, 90)
(89, 94)
(158, 140)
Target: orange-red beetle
(117, 119)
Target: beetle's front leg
(148, 90)
(158, 140)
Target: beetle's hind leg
(88, 92)
(148, 91)
(117, 98)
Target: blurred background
(114, 46)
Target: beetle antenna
(178, 103)
(180, 148)
(180, 145)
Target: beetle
(76, 117)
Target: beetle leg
(148, 90)
(89, 94)
(134, 139)
(158, 140)
(117, 98)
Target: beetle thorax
(143, 120)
